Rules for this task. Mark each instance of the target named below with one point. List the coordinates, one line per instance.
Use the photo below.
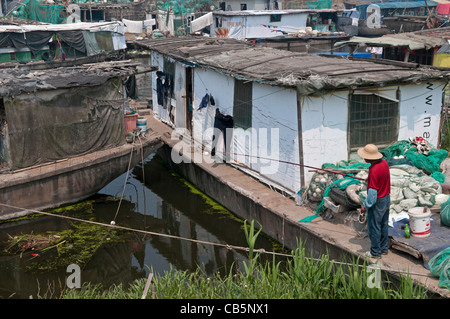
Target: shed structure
(290, 111)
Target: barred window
(242, 105)
(373, 119)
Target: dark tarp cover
(74, 39)
(58, 124)
(36, 40)
(12, 40)
(427, 247)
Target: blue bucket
(142, 124)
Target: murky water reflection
(154, 200)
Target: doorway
(188, 103)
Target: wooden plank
(147, 285)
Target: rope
(290, 163)
(124, 184)
(227, 246)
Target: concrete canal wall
(279, 217)
(67, 181)
(249, 201)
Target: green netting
(440, 267)
(347, 165)
(33, 10)
(396, 149)
(185, 6)
(319, 4)
(341, 183)
(440, 177)
(445, 213)
(428, 163)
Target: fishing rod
(297, 164)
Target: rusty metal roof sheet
(411, 40)
(17, 81)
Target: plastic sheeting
(42, 129)
(426, 247)
(83, 37)
(33, 10)
(133, 26)
(443, 8)
(202, 22)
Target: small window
(243, 6)
(373, 119)
(218, 22)
(242, 106)
(275, 17)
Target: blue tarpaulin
(362, 8)
(427, 247)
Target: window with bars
(242, 105)
(373, 119)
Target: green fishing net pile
(322, 183)
(430, 163)
(440, 267)
(415, 178)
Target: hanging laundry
(167, 90)
(160, 87)
(204, 102)
(221, 122)
(131, 87)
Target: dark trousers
(377, 225)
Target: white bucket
(419, 221)
(142, 124)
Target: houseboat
(260, 24)
(64, 134)
(402, 16)
(54, 45)
(289, 110)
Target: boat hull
(67, 181)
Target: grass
(298, 277)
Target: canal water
(155, 200)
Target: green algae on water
(51, 251)
(215, 207)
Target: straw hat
(370, 152)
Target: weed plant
(298, 277)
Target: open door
(188, 100)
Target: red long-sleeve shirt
(379, 178)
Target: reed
(296, 277)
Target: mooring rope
(124, 183)
(227, 246)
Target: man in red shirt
(377, 201)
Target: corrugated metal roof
(401, 4)
(17, 81)
(269, 12)
(308, 73)
(412, 40)
(437, 32)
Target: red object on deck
(130, 123)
